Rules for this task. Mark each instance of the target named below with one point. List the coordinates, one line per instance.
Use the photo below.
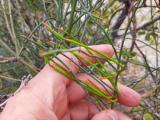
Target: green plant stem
(6, 47)
(71, 20)
(8, 78)
(16, 42)
(9, 25)
(31, 66)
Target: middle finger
(127, 96)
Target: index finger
(70, 62)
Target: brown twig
(7, 59)
(148, 23)
(146, 61)
(144, 26)
(121, 18)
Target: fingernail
(112, 114)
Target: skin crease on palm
(51, 96)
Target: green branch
(71, 20)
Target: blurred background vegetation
(131, 26)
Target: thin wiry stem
(95, 78)
(16, 42)
(10, 25)
(9, 78)
(70, 24)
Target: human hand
(51, 96)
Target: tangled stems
(90, 87)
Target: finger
(68, 57)
(83, 110)
(122, 116)
(73, 63)
(110, 115)
(127, 96)
(106, 115)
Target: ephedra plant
(99, 92)
(34, 30)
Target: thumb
(106, 115)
